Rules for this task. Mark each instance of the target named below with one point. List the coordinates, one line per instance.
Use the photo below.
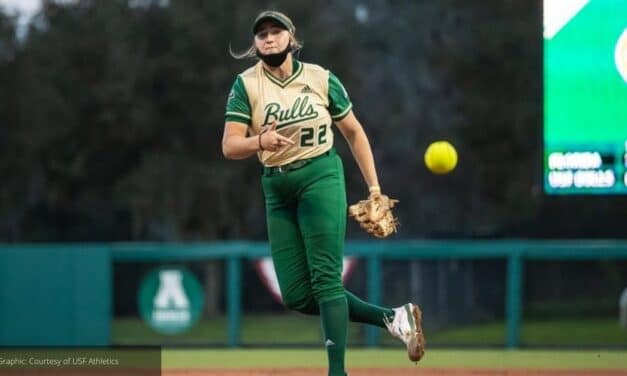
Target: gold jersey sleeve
(300, 106)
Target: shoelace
(390, 325)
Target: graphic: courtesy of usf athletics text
(585, 96)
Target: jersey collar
(297, 68)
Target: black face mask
(275, 60)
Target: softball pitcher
(282, 110)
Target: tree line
(112, 113)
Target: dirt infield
(391, 372)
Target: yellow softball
(441, 157)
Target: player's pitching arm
(237, 145)
(358, 142)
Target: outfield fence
(62, 294)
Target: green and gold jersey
(304, 106)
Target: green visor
(274, 16)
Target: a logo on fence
(170, 300)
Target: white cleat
(407, 326)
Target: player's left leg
(367, 313)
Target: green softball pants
(306, 219)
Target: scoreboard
(585, 96)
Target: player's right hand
(271, 140)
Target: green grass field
(491, 359)
(297, 329)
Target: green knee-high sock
(360, 311)
(334, 318)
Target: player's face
(271, 39)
